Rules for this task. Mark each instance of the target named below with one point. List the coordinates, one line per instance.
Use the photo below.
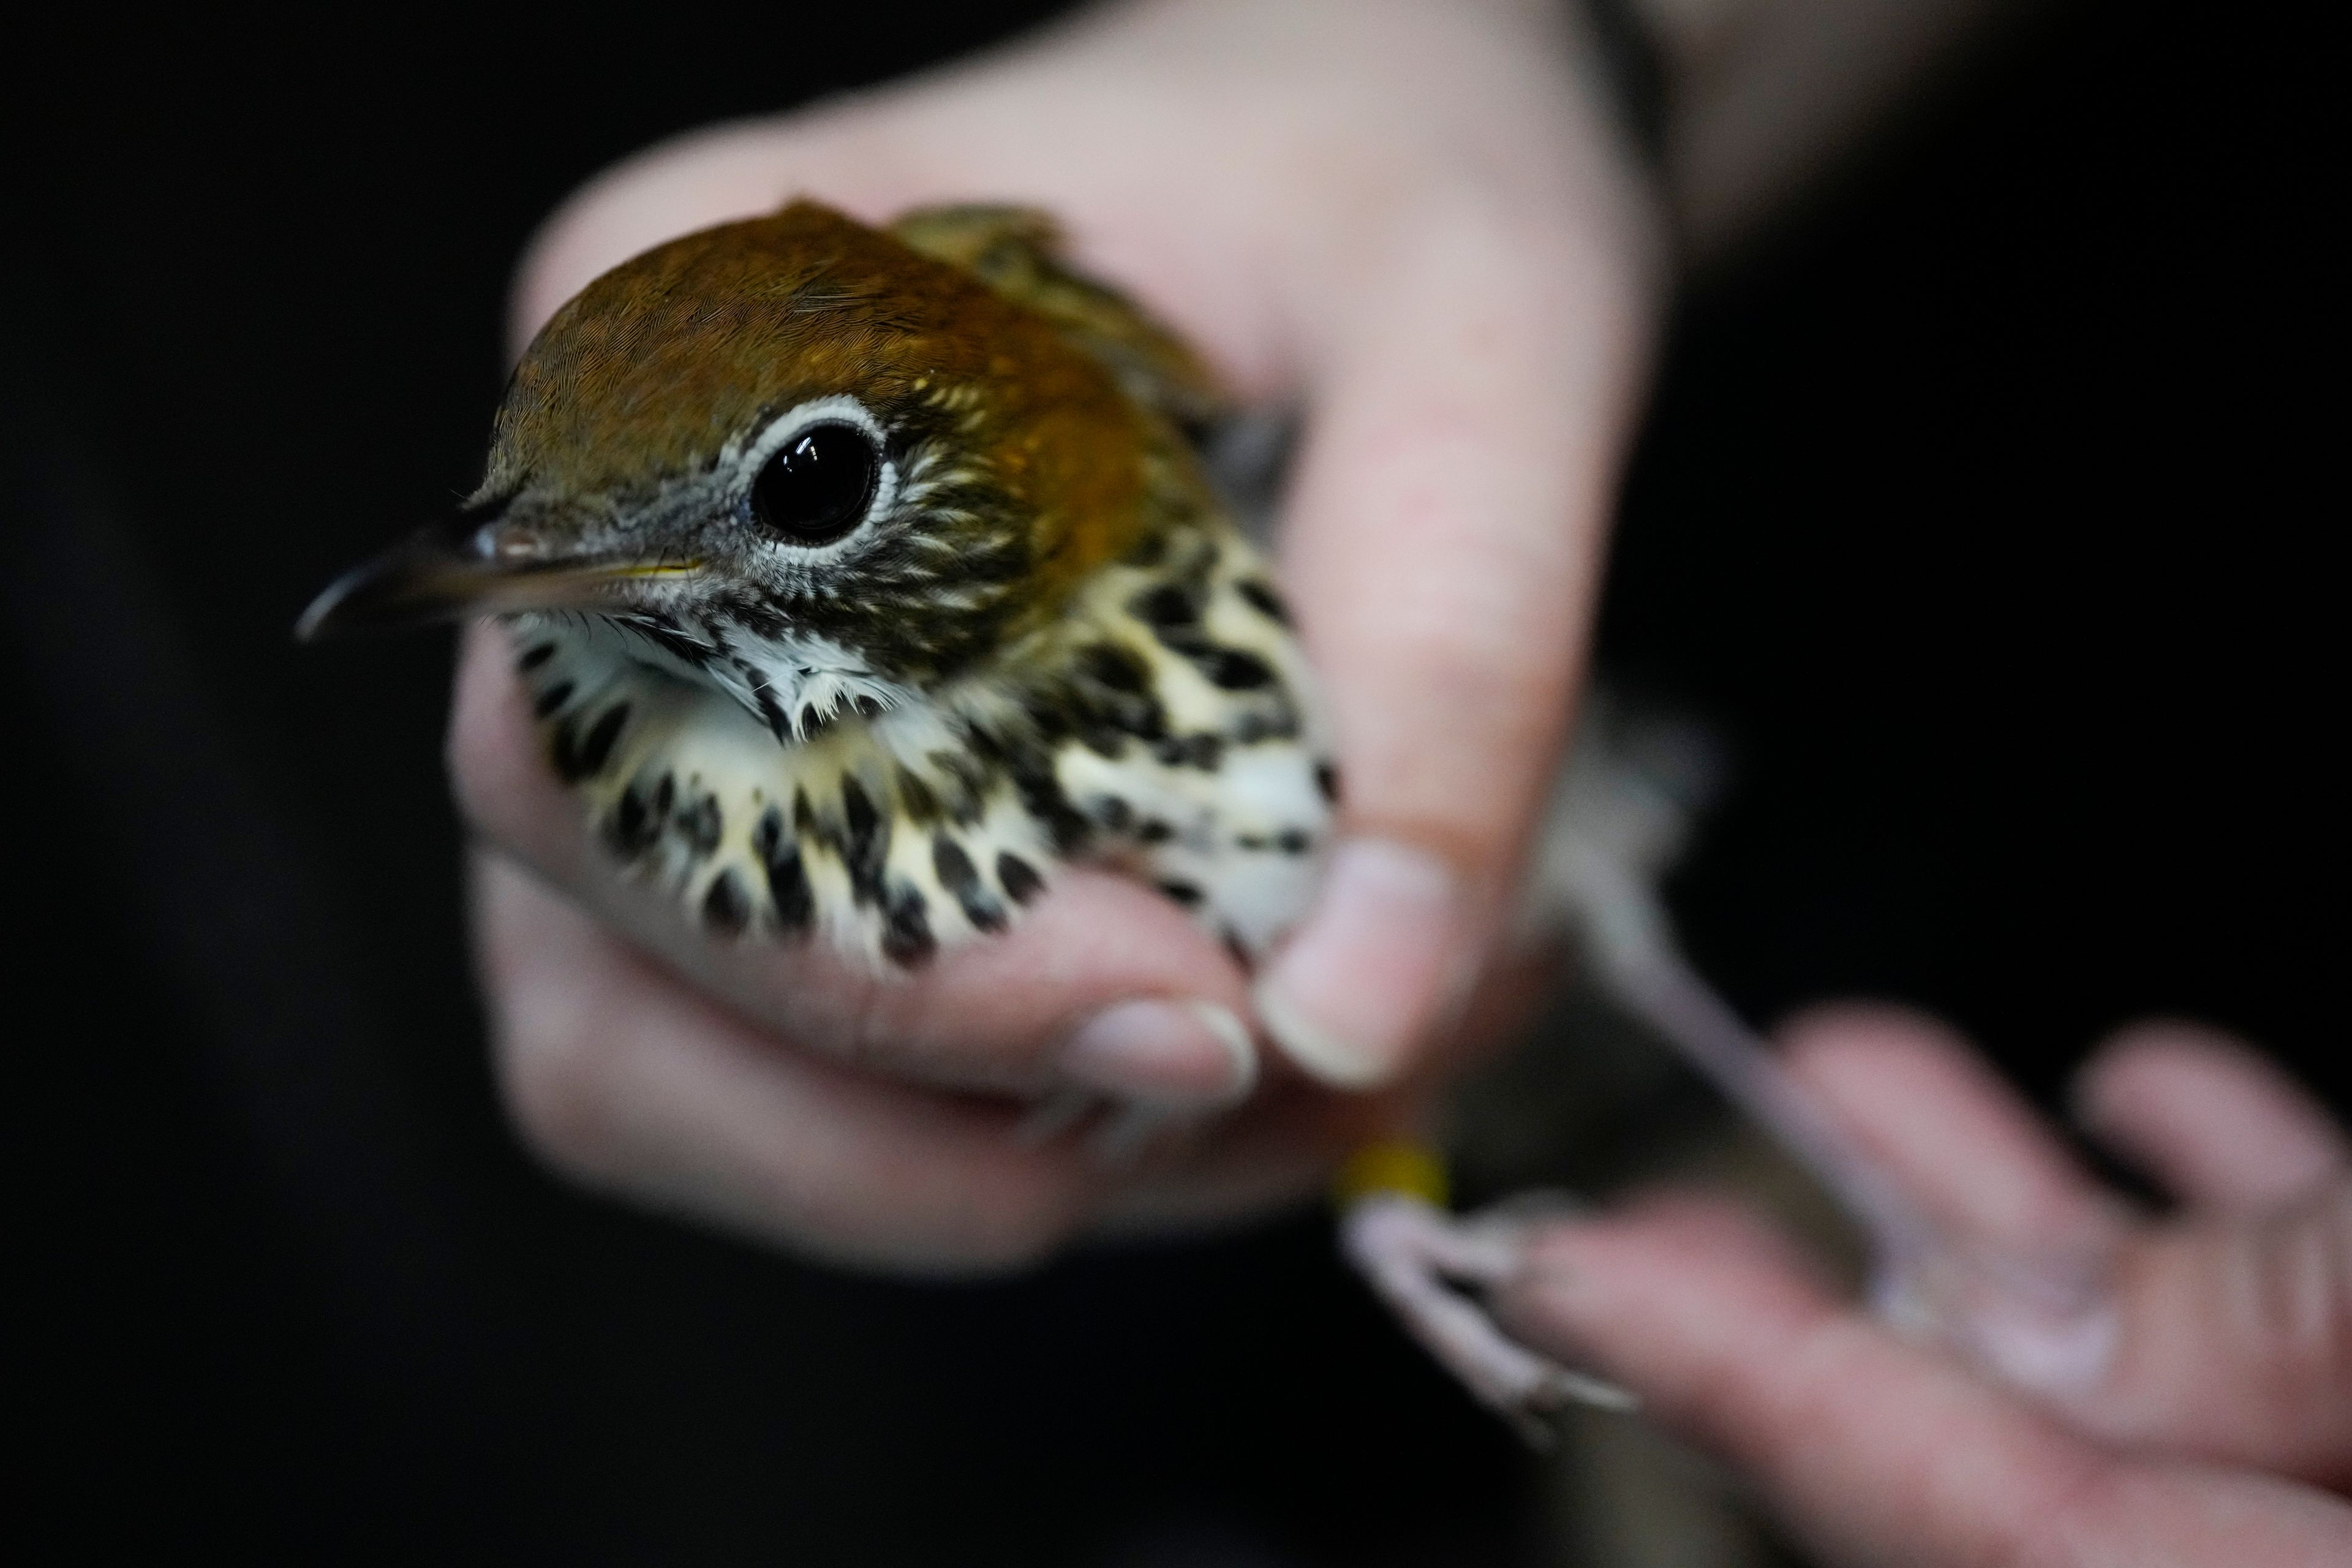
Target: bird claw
(1419, 1261)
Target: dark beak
(449, 572)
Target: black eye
(818, 485)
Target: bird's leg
(2020, 1317)
(1617, 819)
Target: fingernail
(1375, 959)
(2046, 1352)
(2046, 1324)
(1171, 1055)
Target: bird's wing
(1018, 252)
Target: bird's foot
(1429, 1267)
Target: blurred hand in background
(2192, 1415)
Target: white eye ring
(789, 428)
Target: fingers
(2234, 1341)
(2219, 1126)
(1103, 985)
(1444, 546)
(626, 1079)
(1874, 1450)
(2230, 1340)
(1967, 1148)
(2234, 1328)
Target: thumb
(1443, 550)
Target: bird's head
(790, 443)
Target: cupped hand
(2197, 1411)
(1412, 221)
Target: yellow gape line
(1391, 1167)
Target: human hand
(2194, 1414)
(1411, 218)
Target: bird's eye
(818, 485)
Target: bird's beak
(449, 572)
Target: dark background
(1984, 511)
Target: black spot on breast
(533, 657)
(1235, 670)
(588, 756)
(1327, 781)
(701, 823)
(1050, 722)
(1018, 878)
(812, 722)
(1103, 720)
(917, 799)
(563, 751)
(1112, 812)
(867, 706)
(961, 877)
(1294, 841)
(1184, 893)
(1263, 599)
(956, 871)
(1150, 551)
(632, 827)
(1114, 668)
(907, 938)
(1166, 605)
(858, 809)
(868, 846)
(725, 907)
(554, 697)
(788, 883)
(1232, 669)
(772, 712)
(1151, 830)
(1042, 797)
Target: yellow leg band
(1392, 1165)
